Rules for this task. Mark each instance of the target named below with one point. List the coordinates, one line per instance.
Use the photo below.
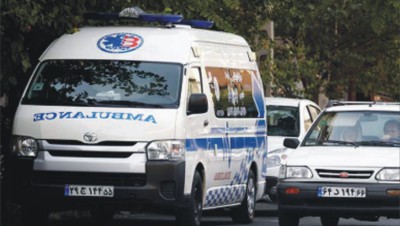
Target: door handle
(205, 123)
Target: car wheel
(286, 219)
(246, 211)
(192, 216)
(329, 221)
(34, 215)
(271, 190)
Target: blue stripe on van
(235, 143)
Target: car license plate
(86, 190)
(342, 192)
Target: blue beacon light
(136, 13)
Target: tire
(191, 216)
(34, 215)
(288, 219)
(245, 213)
(271, 190)
(329, 221)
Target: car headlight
(273, 161)
(24, 146)
(166, 150)
(297, 172)
(389, 174)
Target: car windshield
(283, 121)
(368, 128)
(105, 83)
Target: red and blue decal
(120, 42)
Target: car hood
(335, 156)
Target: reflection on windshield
(105, 83)
(283, 121)
(354, 128)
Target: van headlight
(389, 174)
(24, 146)
(166, 150)
(296, 172)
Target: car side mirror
(197, 103)
(291, 143)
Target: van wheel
(288, 219)
(191, 216)
(34, 215)
(246, 211)
(329, 221)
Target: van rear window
(105, 83)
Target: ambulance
(167, 118)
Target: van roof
(158, 43)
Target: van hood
(108, 124)
(335, 156)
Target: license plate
(342, 192)
(86, 190)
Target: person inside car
(391, 130)
(351, 134)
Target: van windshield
(105, 83)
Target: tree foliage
(330, 44)
(340, 45)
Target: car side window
(194, 85)
(232, 92)
(307, 119)
(313, 111)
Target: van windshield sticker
(120, 42)
(49, 116)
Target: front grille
(103, 143)
(351, 174)
(91, 154)
(87, 178)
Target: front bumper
(161, 188)
(307, 203)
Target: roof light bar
(198, 23)
(161, 18)
(136, 13)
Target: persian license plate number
(342, 192)
(88, 190)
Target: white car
(286, 117)
(347, 165)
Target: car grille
(353, 174)
(88, 178)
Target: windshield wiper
(380, 143)
(341, 142)
(126, 103)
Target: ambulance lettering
(43, 116)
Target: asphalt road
(266, 216)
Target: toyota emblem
(344, 175)
(90, 137)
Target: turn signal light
(292, 191)
(393, 192)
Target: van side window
(194, 81)
(232, 91)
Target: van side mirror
(291, 143)
(197, 103)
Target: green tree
(340, 45)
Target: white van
(170, 118)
